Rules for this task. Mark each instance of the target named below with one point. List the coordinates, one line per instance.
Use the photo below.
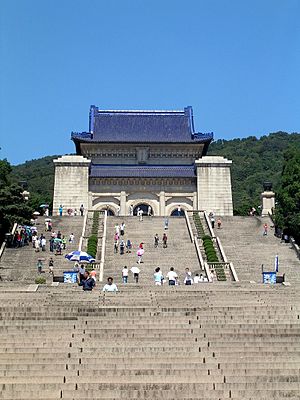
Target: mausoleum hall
(143, 159)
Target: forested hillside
(254, 161)
(39, 175)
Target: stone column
(71, 183)
(268, 202)
(162, 204)
(195, 201)
(214, 185)
(123, 203)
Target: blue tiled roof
(141, 127)
(145, 171)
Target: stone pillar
(195, 201)
(162, 204)
(123, 203)
(214, 185)
(71, 183)
(268, 202)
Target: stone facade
(71, 183)
(143, 158)
(214, 185)
(268, 202)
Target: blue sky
(236, 62)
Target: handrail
(198, 251)
(295, 246)
(103, 247)
(222, 252)
(234, 274)
(189, 226)
(211, 231)
(207, 271)
(83, 231)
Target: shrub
(40, 280)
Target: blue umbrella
(80, 256)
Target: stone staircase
(199, 342)
(180, 252)
(19, 264)
(244, 244)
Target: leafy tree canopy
(254, 161)
(288, 199)
(13, 207)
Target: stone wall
(71, 183)
(214, 185)
(162, 203)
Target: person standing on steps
(117, 229)
(158, 277)
(166, 223)
(64, 242)
(116, 246)
(122, 228)
(122, 247)
(128, 246)
(136, 273)
(43, 243)
(39, 266)
(156, 240)
(141, 212)
(149, 213)
(212, 221)
(51, 266)
(60, 210)
(265, 233)
(81, 209)
(172, 277)
(165, 240)
(219, 223)
(188, 280)
(110, 286)
(140, 253)
(71, 238)
(125, 274)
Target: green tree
(288, 199)
(13, 207)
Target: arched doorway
(177, 212)
(110, 212)
(144, 207)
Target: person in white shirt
(125, 274)
(197, 278)
(188, 280)
(122, 228)
(141, 212)
(110, 286)
(172, 277)
(43, 243)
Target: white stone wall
(214, 185)
(162, 203)
(268, 202)
(71, 183)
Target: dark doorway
(177, 213)
(144, 207)
(109, 211)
